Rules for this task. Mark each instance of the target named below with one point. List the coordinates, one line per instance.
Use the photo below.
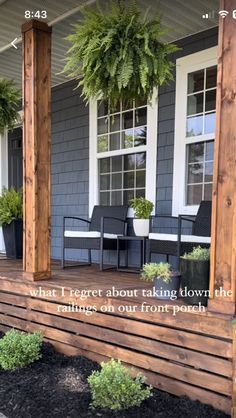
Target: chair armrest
(187, 218)
(76, 218)
(103, 218)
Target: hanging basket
(9, 104)
(117, 54)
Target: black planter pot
(165, 290)
(194, 278)
(13, 238)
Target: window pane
(102, 143)
(141, 160)
(210, 100)
(102, 108)
(141, 116)
(210, 123)
(194, 125)
(140, 178)
(104, 198)
(128, 195)
(114, 141)
(129, 180)
(211, 74)
(105, 182)
(196, 81)
(194, 194)
(102, 126)
(196, 152)
(208, 172)
(140, 136)
(129, 162)
(208, 192)
(116, 181)
(195, 173)
(209, 151)
(140, 193)
(116, 198)
(105, 165)
(127, 138)
(115, 123)
(116, 163)
(195, 104)
(127, 120)
(127, 105)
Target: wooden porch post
(223, 247)
(36, 148)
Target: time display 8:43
(39, 14)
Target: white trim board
(185, 65)
(150, 149)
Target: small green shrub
(198, 253)
(156, 270)
(18, 349)
(11, 205)
(142, 207)
(114, 388)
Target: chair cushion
(87, 234)
(184, 238)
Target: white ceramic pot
(141, 227)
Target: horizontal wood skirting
(175, 355)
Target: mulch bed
(56, 386)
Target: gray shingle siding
(70, 159)
(70, 148)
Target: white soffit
(182, 17)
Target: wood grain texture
(36, 148)
(223, 248)
(189, 354)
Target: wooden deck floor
(179, 349)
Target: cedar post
(36, 148)
(223, 247)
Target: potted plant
(9, 103)
(194, 269)
(166, 281)
(11, 215)
(117, 53)
(142, 212)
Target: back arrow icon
(13, 43)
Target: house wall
(70, 149)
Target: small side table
(142, 258)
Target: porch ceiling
(183, 17)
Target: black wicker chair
(178, 244)
(106, 223)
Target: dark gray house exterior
(70, 148)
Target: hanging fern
(9, 102)
(118, 54)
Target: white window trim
(150, 149)
(185, 65)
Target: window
(194, 130)
(123, 147)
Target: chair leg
(89, 257)
(63, 256)
(101, 259)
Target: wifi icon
(223, 13)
